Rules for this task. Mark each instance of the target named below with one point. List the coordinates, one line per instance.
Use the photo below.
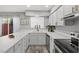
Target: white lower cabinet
(42, 39)
(25, 43)
(19, 47)
(51, 45)
(11, 50)
(33, 39)
(37, 38)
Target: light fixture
(28, 5)
(46, 6)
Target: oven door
(74, 43)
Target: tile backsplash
(68, 29)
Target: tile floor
(37, 49)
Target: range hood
(72, 16)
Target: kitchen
(39, 29)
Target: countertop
(6, 42)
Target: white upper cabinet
(50, 19)
(54, 18)
(60, 13)
(59, 17)
(67, 9)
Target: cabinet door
(27, 41)
(50, 19)
(59, 20)
(33, 39)
(42, 39)
(11, 50)
(67, 9)
(37, 39)
(59, 13)
(19, 47)
(24, 44)
(54, 18)
(51, 45)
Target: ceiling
(23, 8)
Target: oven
(75, 43)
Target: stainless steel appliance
(48, 42)
(75, 40)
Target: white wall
(0, 26)
(16, 24)
(69, 29)
(46, 21)
(24, 22)
(36, 13)
(37, 21)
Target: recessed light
(28, 5)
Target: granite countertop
(6, 42)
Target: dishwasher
(48, 42)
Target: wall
(37, 21)
(0, 26)
(67, 29)
(36, 13)
(43, 14)
(25, 22)
(16, 20)
(46, 21)
(16, 24)
(26, 18)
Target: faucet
(37, 27)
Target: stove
(75, 40)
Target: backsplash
(68, 29)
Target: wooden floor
(37, 49)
